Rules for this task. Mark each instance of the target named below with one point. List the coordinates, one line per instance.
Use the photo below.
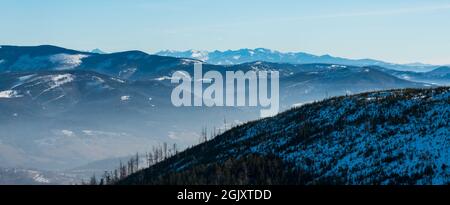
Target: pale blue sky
(391, 30)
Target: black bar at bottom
(228, 194)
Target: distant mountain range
(438, 76)
(388, 137)
(80, 107)
(232, 57)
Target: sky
(399, 31)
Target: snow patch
(127, 72)
(67, 133)
(118, 80)
(163, 78)
(200, 55)
(189, 61)
(67, 61)
(125, 98)
(98, 79)
(10, 94)
(59, 80)
(405, 76)
(26, 77)
(338, 66)
(41, 179)
(297, 104)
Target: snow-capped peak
(200, 55)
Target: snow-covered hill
(387, 137)
(132, 65)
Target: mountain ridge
(231, 57)
(385, 137)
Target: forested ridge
(386, 137)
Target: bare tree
(93, 180)
(136, 162)
(165, 150)
(175, 150)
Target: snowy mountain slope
(35, 58)
(386, 137)
(132, 65)
(232, 57)
(135, 65)
(318, 81)
(60, 91)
